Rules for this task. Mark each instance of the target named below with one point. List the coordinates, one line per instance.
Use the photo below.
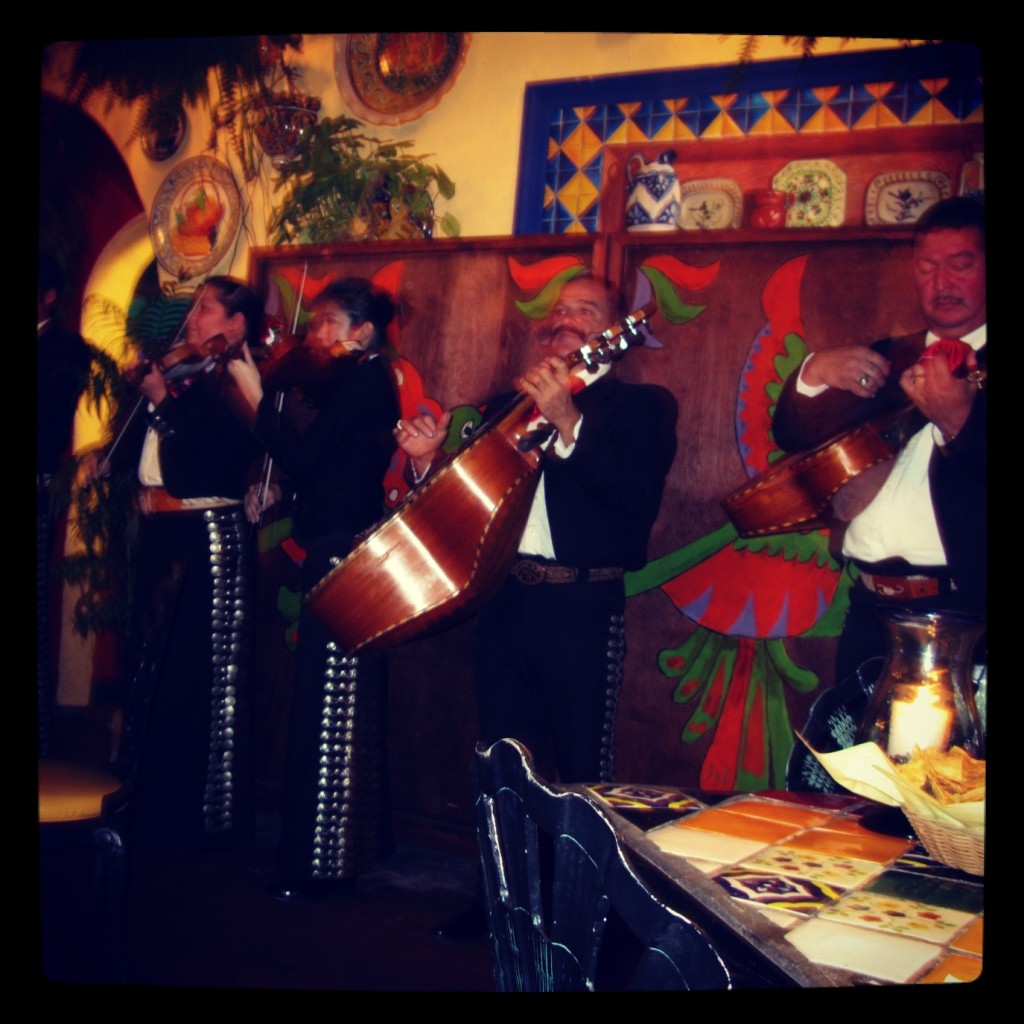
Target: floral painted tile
(638, 797)
(742, 825)
(969, 941)
(840, 872)
(782, 892)
(952, 968)
(881, 912)
(936, 892)
(863, 845)
(873, 954)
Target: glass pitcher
(924, 696)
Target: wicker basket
(957, 847)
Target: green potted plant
(346, 185)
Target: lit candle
(924, 721)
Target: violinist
(191, 453)
(336, 818)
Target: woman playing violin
(192, 456)
(336, 819)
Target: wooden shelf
(753, 162)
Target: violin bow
(268, 459)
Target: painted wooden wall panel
(460, 328)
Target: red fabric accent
(954, 350)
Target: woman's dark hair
(236, 297)
(364, 303)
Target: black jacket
(337, 463)
(603, 500)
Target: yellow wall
(474, 132)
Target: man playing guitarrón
(921, 540)
(549, 646)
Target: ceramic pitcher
(770, 205)
(653, 201)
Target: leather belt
(904, 588)
(155, 500)
(531, 571)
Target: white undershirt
(150, 474)
(537, 540)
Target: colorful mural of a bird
(747, 596)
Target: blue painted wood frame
(955, 60)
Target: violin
(288, 363)
(189, 360)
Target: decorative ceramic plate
(902, 196)
(394, 77)
(710, 203)
(195, 217)
(818, 188)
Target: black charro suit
(549, 655)
(194, 782)
(958, 475)
(336, 818)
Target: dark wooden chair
(567, 912)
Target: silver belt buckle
(529, 572)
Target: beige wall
(474, 132)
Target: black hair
(954, 214)
(236, 297)
(364, 303)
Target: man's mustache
(546, 334)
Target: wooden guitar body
(447, 547)
(442, 552)
(794, 492)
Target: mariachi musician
(336, 819)
(550, 644)
(917, 528)
(192, 452)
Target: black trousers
(336, 814)
(195, 770)
(548, 672)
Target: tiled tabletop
(852, 900)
